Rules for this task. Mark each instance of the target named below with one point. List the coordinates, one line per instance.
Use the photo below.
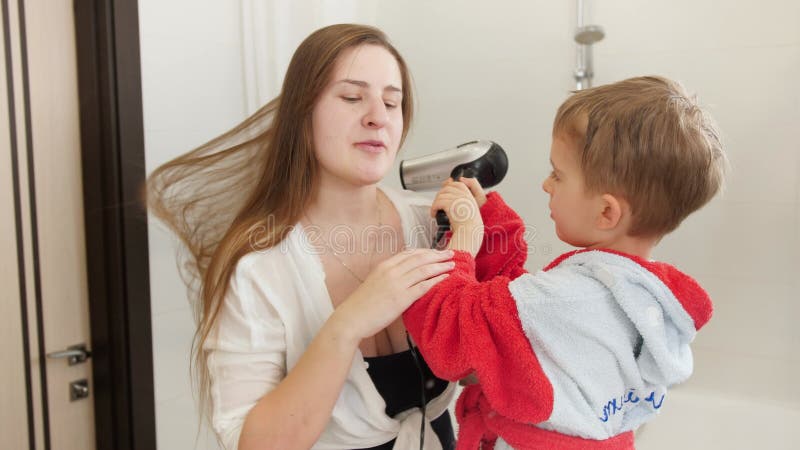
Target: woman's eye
(390, 105)
(350, 99)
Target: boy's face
(571, 207)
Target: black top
(397, 379)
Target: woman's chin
(371, 175)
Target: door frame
(112, 140)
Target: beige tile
(698, 420)
(167, 290)
(172, 338)
(690, 25)
(768, 175)
(755, 242)
(192, 87)
(748, 89)
(768, 380)
(750, 318)
(189, 20)
(177, 426)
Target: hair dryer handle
(442, 221)
(442, 226)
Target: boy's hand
(457, 201)
(461, 207)
(476, 189)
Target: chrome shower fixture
(589, 34)
(585, 37)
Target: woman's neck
(340, 203)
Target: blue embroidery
(616, 404)
(651, 398)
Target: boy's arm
(504, 249)
(462, 325)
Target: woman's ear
(612, 211)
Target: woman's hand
(390, 288)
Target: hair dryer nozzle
(484, 160)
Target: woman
(300, 342)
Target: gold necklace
(371, 254)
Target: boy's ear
(611, 213)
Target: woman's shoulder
(271, 277)
(414, 206)
(415, 212)
(272, 261)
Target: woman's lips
(371, 146)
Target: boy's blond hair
(646, 140)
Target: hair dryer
(484, 160)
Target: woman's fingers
(394, 285)
(422, 288)
(408, 254)
(427, 271)
(419, 258)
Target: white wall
(499, 71)
(192, 90)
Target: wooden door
(46, 402)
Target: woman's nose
(376, 116)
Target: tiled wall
(499, 70)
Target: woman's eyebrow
(365, 84)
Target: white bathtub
(752, 406)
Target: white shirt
(276, 303)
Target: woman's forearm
(294, 414)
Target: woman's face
(358, 120)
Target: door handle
(75, 354)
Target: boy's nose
(546, 185)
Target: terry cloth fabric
(573, 357)
(276, 303)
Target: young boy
(578, 355)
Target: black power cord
(422, 390)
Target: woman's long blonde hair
(257, 178)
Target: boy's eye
(553, 175)
(390, 105)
